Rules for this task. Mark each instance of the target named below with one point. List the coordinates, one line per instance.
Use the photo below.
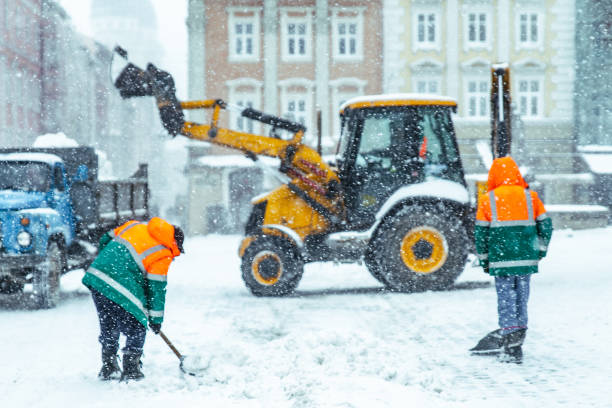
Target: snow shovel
(189, 365)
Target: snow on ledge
(574, 208)
(599, 163)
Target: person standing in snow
(512, 233)
(127, 281)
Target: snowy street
(341, 341)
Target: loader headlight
(24, 239)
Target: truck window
(24, 176)
(58, 178)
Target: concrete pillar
(322, 65)
(196, 27)
(503, 31)
(452, 49)
(270, 28)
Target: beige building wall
(544, 142)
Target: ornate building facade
(287, 58)
(447, 47)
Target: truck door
(60, 197)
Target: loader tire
(46, 280)
(271, 266)
(418, 248)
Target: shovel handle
(169, 343)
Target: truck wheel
(419, 248)
(46, 282)
(271, 266)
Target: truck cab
(36, 219)
(53, 210)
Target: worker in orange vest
(127, 281)
(512, 233)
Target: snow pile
(54, 140)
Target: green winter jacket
(512, 228)
(132, 266)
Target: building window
(246, 93)
(477, 98)
(342, 89)
(243, 37)
(347, 36)
(296, 108)
(426, 27)
(478, 29)
(241, 123)
(529, 29)
(530, 97)
(426, 85)
(297, 38)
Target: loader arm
(312, 179)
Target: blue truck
(53, 210)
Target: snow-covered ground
(342, 341)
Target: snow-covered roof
(47, 158)
(398, 99)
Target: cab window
(58, 179)
(441, 155)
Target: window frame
(287, 19)
(244, 89)
(427, 79)
(540, 27)
(529, 94)
(479, 96)
(419, 9)
(343, 89)
(233, 20)
(356, 19)
(299, 87)
(477, 44)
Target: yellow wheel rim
(424, 250)
(267, 268)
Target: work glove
(155, 327)
(542, 254)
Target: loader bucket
(133, 82)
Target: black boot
(131, 366)
(513, 350)
(491, 344)
(110, 367)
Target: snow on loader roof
(398, 99)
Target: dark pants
(512, 297)
(115, 320)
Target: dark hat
(179, 237)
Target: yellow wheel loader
(395, 198)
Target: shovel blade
(193, 365)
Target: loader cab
(391, 141)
